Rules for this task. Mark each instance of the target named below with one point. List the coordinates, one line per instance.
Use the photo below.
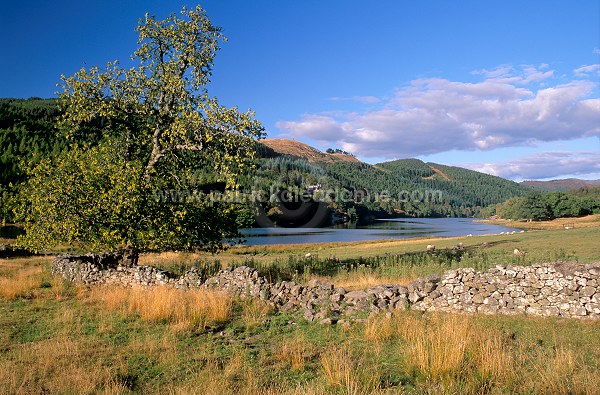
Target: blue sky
(506, 87)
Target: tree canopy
(539, 206)
(157, 128)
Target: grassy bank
(590, 221)
(59, 338)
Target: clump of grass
(21, 284)
(379, 329)
(182, 309)
(177, 263)
(363, 278)
(295, 353)
(492, 359)
(563, 372)
(438, 351)
(347, 372)
(254, 312)
(56, 365)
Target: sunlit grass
(589, 221)
(182, 309)
(352, 280)
(59, 338)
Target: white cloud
(543, 165)
(585, 71)
(510, 74)
(318, 127)
(509, 106)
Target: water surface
(391, 229)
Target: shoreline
(589, 221)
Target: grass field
(590, 221)
(56, 337)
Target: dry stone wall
(551, 289)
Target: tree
(535, 207)
(157, 126)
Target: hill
(407, 187)
(463, 186)
(561, 185)
(301, 150)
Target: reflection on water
(403, 228)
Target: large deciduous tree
(157, 127)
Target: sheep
(518, 252)
(430, 247)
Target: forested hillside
(403, 187)
(465, 187)
(26, 135)
(26, 132)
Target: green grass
(76, 345)
(59, 338)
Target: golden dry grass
(182, 309)
(438, 351)
(454, 353)
(254, 312)
(565, 373)
(380, 329)
(56, 365)
(22, 284)
(347, 372)
(294, 353)
(21, 277)
(165, 258)
(361, 279)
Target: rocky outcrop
(553, 289)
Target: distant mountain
(301, 150)
(415, 188)
(561, 185)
